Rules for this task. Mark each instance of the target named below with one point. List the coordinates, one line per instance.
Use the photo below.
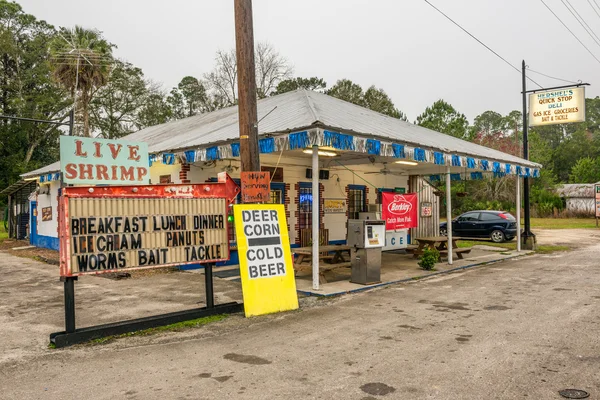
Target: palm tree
(81, 60)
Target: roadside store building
(360, 154)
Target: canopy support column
(449, 215)
(315, 217)
(518, 213)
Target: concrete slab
(398, 268)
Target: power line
(552, 77)
(479, 41)
(594, 8)
(586, 27)
(597, 5)
(574, 35)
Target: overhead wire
(567, 28)
(594, 8)
(551, 77)
(479, 41)
(581, 21)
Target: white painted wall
(48, 228)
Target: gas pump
(368, 238)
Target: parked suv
(496, 225)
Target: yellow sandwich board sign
(266, 268)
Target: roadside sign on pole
(597, 200)
(553, 107)
(266, 268)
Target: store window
(382, 190)
(305, 205)
(277, 195)
(357, 201)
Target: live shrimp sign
(399, 211)
(94, 161)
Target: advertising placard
(256, 186)
(395, 240)
(334, 206)
(93, 161)
(399, 210)
(597, 191)
(553, 107)
(426, 209)
(115, 228)
(266, 267)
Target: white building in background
(579, 197)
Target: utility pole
(528, 237)
(248, 120)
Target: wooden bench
(411, 248)
(336, 260)
(459, 252)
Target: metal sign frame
(224, 188)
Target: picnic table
(333, 255)
(441, 244)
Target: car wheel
(497, 236)
(443, 232)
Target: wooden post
(244, 44)
(315, 217)
(449, 214)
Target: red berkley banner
(399, 210)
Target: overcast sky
(404, 47)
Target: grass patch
(563, 223)
(546, 249)
(3, 232)
(177, 327)
(557, 223)
(470, 243)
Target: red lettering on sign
(79, 149)
(97, 153)
(133, 153)
(102, 172)
(115, 150)
(71, 171)
(86, 169)
(142, 172)
(127, 174)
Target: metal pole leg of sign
(208, 285)
(69, 283)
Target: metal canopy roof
(303, 109)
(15, 187)
(54, 167)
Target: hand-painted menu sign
(109, 229)
(255, 186)
(90, 161)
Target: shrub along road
(525, 328)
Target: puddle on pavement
(244, 359)
(497, 308)
(377, 389)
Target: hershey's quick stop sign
(266, 269)
(94, 161)
(557, 106)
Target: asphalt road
(525, 328)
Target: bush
(429, 258)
